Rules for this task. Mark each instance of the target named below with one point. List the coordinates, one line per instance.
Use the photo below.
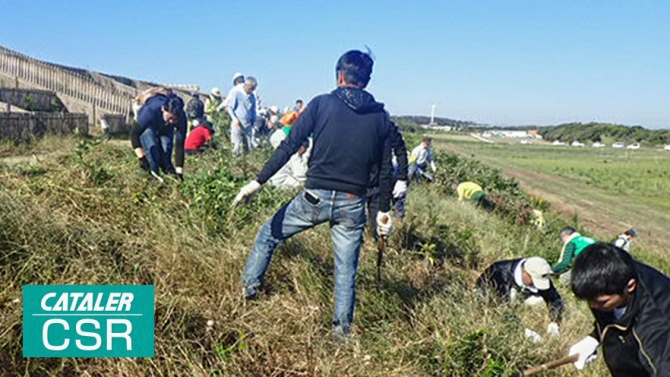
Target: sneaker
(249, 294)
(157, 177)
(341, 334)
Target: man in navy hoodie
(352, 134)
(161, 126)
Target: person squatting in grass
(352, 134)
(573, 244)
(630, 302)
(160, 127)
(526, 280)
(473, 193)
(294, 173)
(623, 241)
(200, 139)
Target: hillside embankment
(87, 215)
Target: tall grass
(90, 217)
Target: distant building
(507, 133)
(435, 126)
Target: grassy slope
(608, 190)
(88, 217)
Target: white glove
(586, 349)
(432, 166)
(532, 335)
(384, 223)
(247, 192)
(399, 188)
(553, 330)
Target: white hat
(237, 75)
(216, 91)
(540, 270)
(274, 109)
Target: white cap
(237, 75)
(274, 109)
(540, 270)
(216, 91)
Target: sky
(497, 62)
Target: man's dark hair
(356, 67)
(601, 269)
(174, 104)
(208, 125)
(568, 230)
(428, 139)
(298, 101)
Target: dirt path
(603, 213)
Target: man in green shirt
(573, 244)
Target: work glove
(399, 188)
(432, 166)
(586, 349)
(384, 223)
(553, 330)
(247, 192)
(144, 163)
(532, 336)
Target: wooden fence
(114, 99)
(21, 127)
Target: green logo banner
(88, 321)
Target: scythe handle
(549, 365)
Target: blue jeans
(346, 215)
(158, 147)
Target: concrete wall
(21, 127)
(32, 99)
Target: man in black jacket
(352, 134)
(527, 280)
(631, 305)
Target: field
(80, 212)
(607, 190)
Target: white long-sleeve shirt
(422, 154)
(622, 242)
(294, 173)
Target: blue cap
(631, 232)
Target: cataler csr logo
(88, 321)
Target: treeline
(604, 132)
(412, 123)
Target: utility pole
(432, 114)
